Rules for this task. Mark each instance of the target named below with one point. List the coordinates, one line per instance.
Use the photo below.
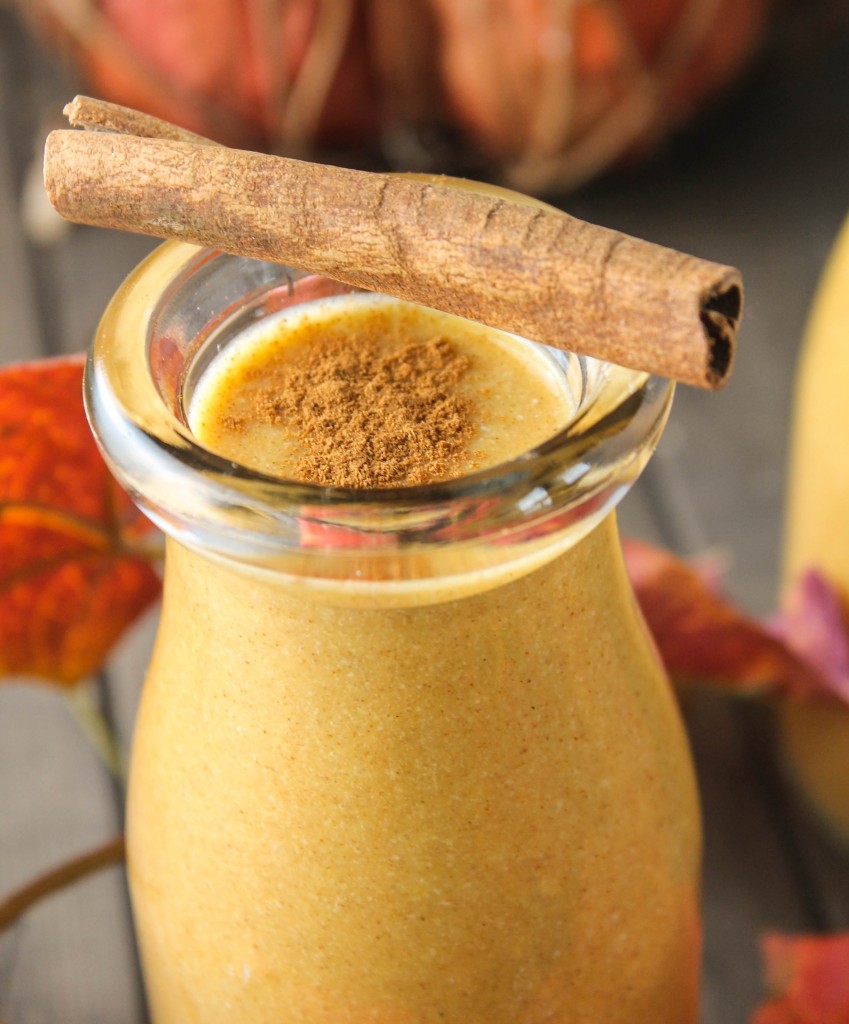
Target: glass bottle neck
(595, 555)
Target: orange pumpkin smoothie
(405, 755)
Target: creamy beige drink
(816, 733)
(476, 811)
(368, 391)
(404, 755)
(472, 811)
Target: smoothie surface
(364, 391)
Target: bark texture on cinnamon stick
(516, 266)
(101, 115)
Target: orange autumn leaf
(808, 980)
(73, 574)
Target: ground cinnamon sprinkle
(365, 416)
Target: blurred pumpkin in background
(542, 93)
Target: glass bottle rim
(134, 383)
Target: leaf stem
(15, 905)
(98, 731)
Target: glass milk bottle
(815, 734)
(403, 756)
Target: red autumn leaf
(813, 624)
(703, 637)
(71, 580)
(808, 980)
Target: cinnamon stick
(101, 115)
(511, 265)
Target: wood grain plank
(71, 957)
(19, 336)
(66, 959)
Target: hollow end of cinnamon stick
(720, 313)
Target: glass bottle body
(402, 756)
(479, 810)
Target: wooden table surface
(762, 183)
